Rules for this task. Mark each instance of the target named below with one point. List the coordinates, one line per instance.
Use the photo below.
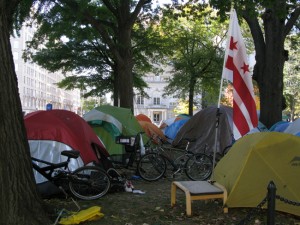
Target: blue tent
(280, 126)
(172, 130)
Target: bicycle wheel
(199, 167)
(89, 183)
(152, 167)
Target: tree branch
(137, 10)
(292, 20)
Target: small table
(198, 190)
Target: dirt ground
(153, 208)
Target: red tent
(50, 132)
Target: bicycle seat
(71, 153)
(190, 139)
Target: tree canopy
(77, 50)
(94, 36)
(197, 58)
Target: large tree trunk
(20, 203)
(126, 86)
(124, 68)
(120, 45)
(269, 50)
(270, 81)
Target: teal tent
(110, 122)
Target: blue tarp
(172, 130)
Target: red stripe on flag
(239, 120)
(244, 93)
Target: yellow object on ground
(90, 214)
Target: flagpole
(219, 100)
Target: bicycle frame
(153, 165)
(86, 182)
(48, 170)
(133, 154)
(172, 161)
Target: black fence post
(271, 203)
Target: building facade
(37, 86)
(156, 107)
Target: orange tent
(152, 130)
(143, 117)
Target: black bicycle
(132, 151)
(153, 165)
(86, 183)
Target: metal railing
(270, 199)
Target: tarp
(53, 131)
(109, 122)
(253, 162)
(293, 128)
(202, 127)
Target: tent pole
(216, 143)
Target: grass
(153, 208)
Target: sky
(164, 1)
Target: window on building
(156, 101)
(140, 100)
(156, 117)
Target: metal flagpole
(218, 113)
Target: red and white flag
(236, 70)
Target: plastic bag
(90, 214)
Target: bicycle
(86, 183)
(132, 151)
(153, 165)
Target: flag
(236, 70)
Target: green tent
(109, 122)
(255, 160)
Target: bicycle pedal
(177, 171)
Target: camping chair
(198, 190)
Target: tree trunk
(20, 203)
(269, 52)
(271, 81)
(116, 88)
(124, 68)
(191, 94)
